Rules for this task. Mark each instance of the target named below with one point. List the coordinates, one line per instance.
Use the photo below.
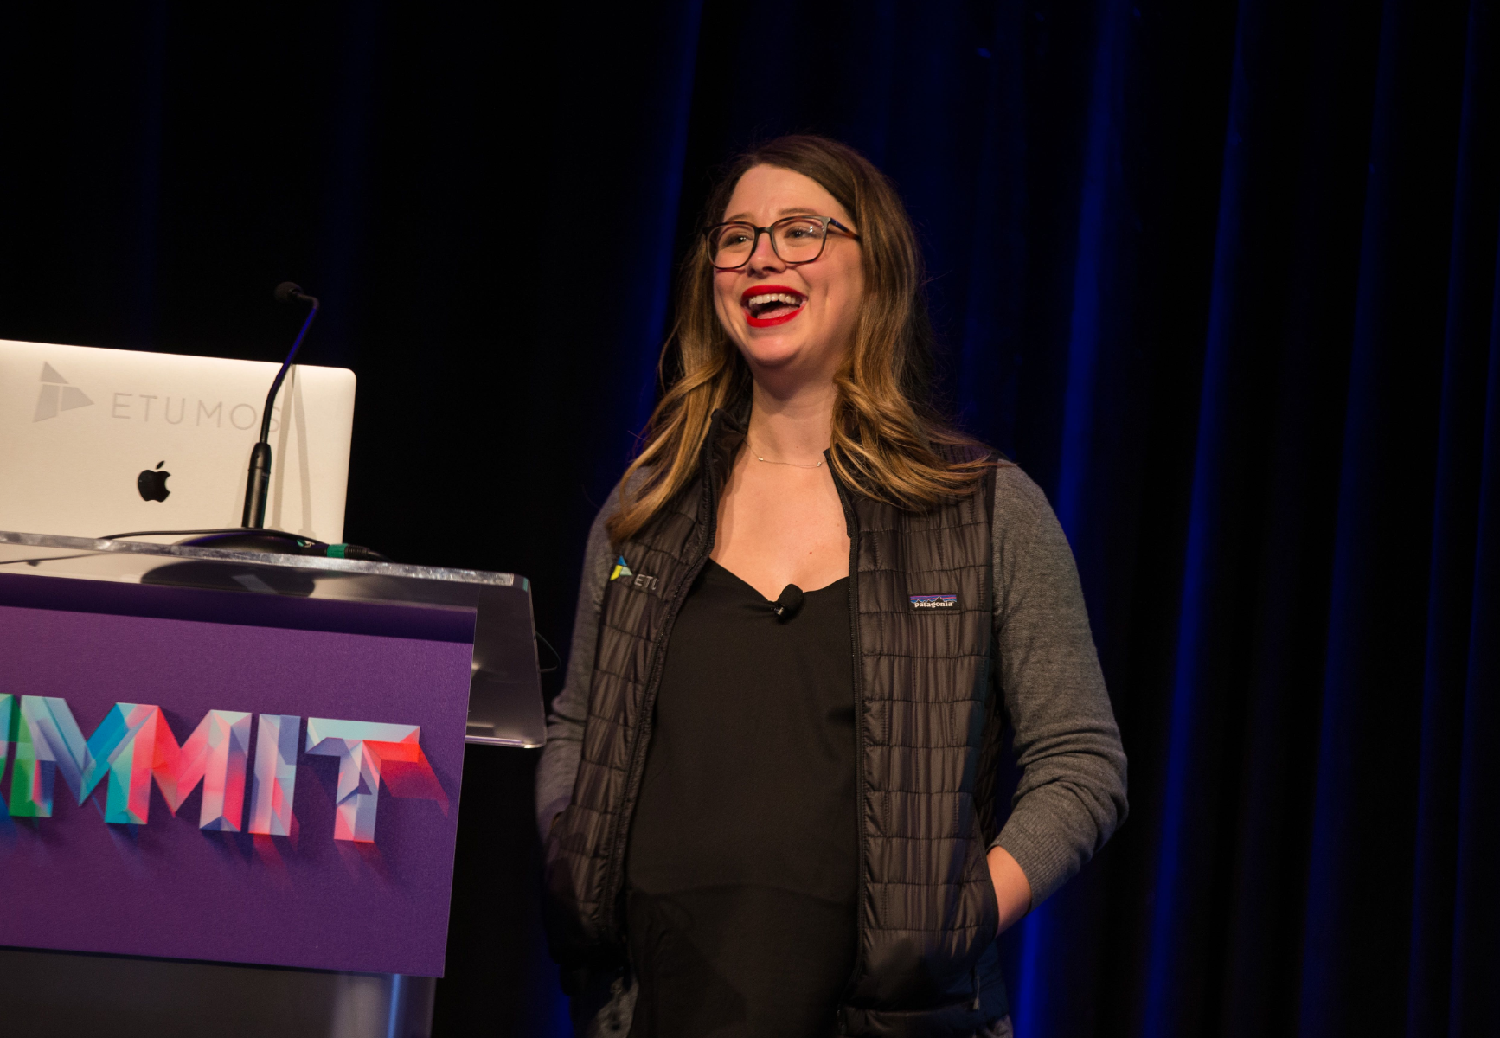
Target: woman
(768, 786)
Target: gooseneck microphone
(258, 479)
(787, 603)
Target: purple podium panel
(249, 778)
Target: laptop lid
(96, 442)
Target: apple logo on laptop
(152, 483)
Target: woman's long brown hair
(885, 432)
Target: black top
(742, 865)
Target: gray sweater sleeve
(558, 767)
(1072, 790)
(1071, 795)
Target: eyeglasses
(794, 239)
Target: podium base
(72, 994)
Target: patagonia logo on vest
(640, 580)
(942, 601)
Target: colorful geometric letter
(275, 775)
(362, 747)
(48, 741)
(215, 754)
(7, 733)
(47, 738)
(7, 723)
(124, 747)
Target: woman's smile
(769, 305)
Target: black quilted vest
(928, 730)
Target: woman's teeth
(759, 306)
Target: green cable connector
(336, 551)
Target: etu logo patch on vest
(645, 581)
(922, 603)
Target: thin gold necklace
(768, 461)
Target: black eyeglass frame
(826, 221)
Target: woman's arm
(1071, 795)
(558, 768)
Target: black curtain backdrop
(1221, 277)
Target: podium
(229, 781)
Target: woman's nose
(764, 256)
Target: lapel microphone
(787, 603)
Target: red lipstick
(774, 311)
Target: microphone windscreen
(788, 602)
(287, 291)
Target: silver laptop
(96, 442)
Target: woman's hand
(1012, 890)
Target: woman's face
(790, 321)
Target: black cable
(555, 654)
(296, 544)
(171, 533)
(47, 558)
